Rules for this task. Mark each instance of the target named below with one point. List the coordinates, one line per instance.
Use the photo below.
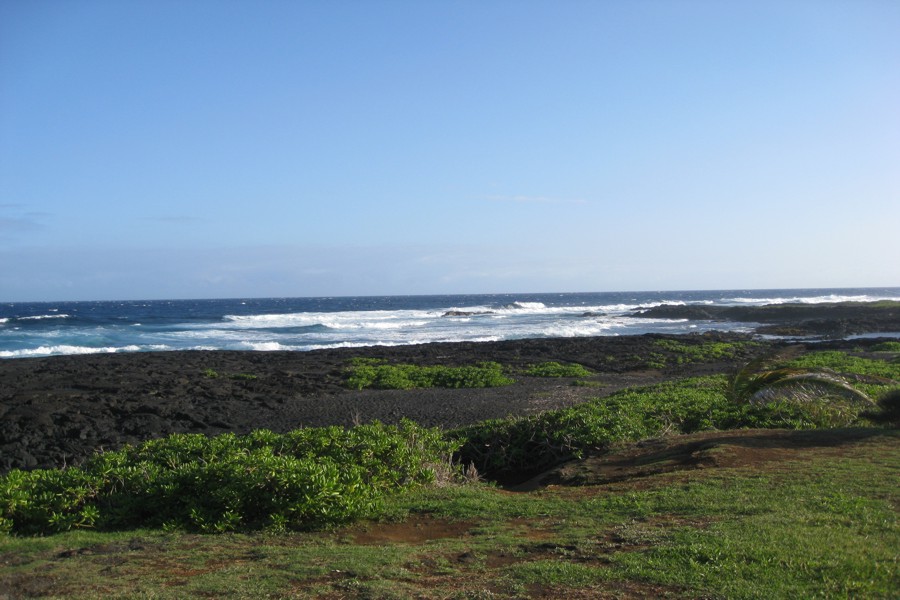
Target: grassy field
(674, 507)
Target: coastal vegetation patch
(213, 374)
(355, 512)
(753, 530)
(556, 369)
(378, 374)
(805, 392)
(886, 347)
(303, 479)
(680, 353)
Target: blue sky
(196, 149)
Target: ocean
(55, 328)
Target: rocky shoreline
(832, 320)
(57, 411)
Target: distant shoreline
(304, 324)
(831, 320)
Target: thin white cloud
(18, 222)
(536, 200)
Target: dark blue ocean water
(43, 329)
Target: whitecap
(67, 349)
(825, 299)
(521, 305)
(266, 346)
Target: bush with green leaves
(515, 447)
(555, 369)
(886, 347)
(302, 479)
(373, 373)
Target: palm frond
(807, 387)
(766, 378)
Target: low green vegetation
(122, 521)
(555, 369)
(679, 353)
(510, 448)
(301, 479)
(748, 532)
(372, 373)
(845, 363)
(213, 374)
(886, 347)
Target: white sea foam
(492, 318)
(267, 346)
(829, 298)
(518, 305)
(41, 317)
(69, 349)
(374, 319)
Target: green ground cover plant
(886, 347)
(555, 369)
(306, 478)
(747, 532)
(372, 373)
(683, 353)
(509, 448)
(843, 362)
(750, 532)
(213, 374)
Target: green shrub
(555, 369)
(886, 347)
(517, 447)
(305, 478)
(368, 373)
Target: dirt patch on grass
(415, 530)
(613, 590)
(708, 450)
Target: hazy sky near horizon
(200, 149)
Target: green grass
(825, 526)
(765, 537)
